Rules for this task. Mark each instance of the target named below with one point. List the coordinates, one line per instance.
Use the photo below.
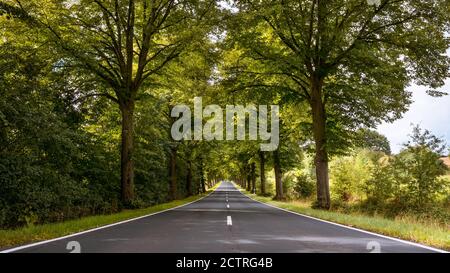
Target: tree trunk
(3, 137)
(203, 184)
(249, 180)
(320, 139)
(277, 168)
(127, 168)
(253, 176)
(173, 173)
(202, 177)
(173, 154)
(262, 170)
(189, 180)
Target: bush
(289, 181)
(409, 183)
(380, 187)
(417, 170)
(305, 186)
(349, 176)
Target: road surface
(227, 221)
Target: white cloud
(430, 113)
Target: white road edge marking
(229, 222)
(99, 228)
(352, 228)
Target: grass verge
(25, 235)
(406, 229)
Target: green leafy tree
(372, 140)
(125, 44)
(350, 61)
(418, 167)
(51, 169)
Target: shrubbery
(305, 186)
(379, 188)
(411, 182)
(349, 176)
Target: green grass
(9, 238)
(404, 228)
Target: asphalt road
(227, 221)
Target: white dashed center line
(229, 222)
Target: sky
(430, 113)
